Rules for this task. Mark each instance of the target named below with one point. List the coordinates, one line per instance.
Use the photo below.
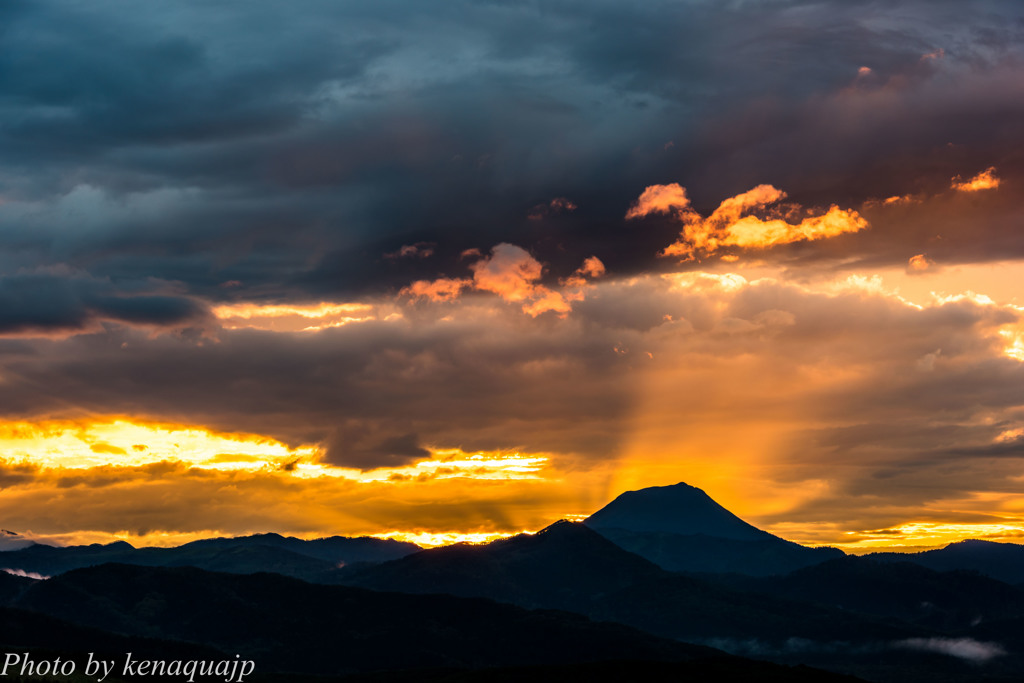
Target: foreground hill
(680, 528)
(289, 625)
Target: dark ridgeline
(1002, 561)
(311, 560)
(439, 612)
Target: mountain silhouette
(311, 560)
(563, 567)
(680, 528)
(678, 509)
(1002, 561)
(569, 566)
(953, 601)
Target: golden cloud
(986, 180)
(732, 225)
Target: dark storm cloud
(291, 150)
(59, 303)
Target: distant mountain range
(654, 569)
(1002, 561)
(314, 560)
(679, 528)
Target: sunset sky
(453, 270)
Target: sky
(446, 271)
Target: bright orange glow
(751, 231)
(434, 539)
(914, 535)
(288, 318)
(124, 443)
(453, 463)
(703, 416)
(904, 537)
(986, 180)
(1014, 336)
(161, 484)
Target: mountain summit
(680, 528)
(678, 509)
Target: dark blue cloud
(59, 303)
(290, 149)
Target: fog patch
(22, 572)
(962, 648)
(968, 649)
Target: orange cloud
(442, 289)
(509, 272)
(918, 264)
(660, 199)
(544, 300)
(731, 225)
(513, 274)
(901, 199)
(592, 268)
(986, 180)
